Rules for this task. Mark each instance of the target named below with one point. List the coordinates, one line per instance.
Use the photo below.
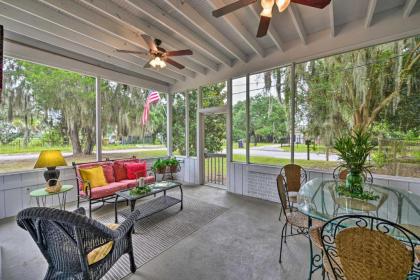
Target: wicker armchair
(298, 222)
(75, 246)
(294, 176)
(365, 247)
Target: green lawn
(301, 148)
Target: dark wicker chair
(364, 247)
(67, 238)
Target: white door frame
(202, 112)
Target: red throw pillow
(135, 170)
(119, 171)
(109, 173)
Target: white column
(187, 123)
(169, 121)
(200, 139)
(292, 112)
(229, 123)
(98, 125)
(247, 113)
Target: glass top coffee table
(151, 206)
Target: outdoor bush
(379, 158)
(8, 132)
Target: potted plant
(159, 166)
(173, 164)
(353, 149)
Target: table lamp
(50, 159)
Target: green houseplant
(173, 164)
(353, 150)
(159, 166)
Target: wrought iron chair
(365, 247)
(295, 176)
(296, 220)
(340, 174)
(75, 246)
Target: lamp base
(51, 175)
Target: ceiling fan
(158, 55)
(267, 6)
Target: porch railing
(215, 168)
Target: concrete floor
(243, 243)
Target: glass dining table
(318, 199)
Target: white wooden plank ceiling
(90, 31)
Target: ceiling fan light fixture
(267, 6)
(282, 5)
(157, 62)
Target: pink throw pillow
(136, 170)
(109, 173)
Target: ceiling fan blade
(161, 49)
(179, 53)
(149, 41)
(320, 4)
(174, 63)
(232, 7)
(135, 52)
(263, 26)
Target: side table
(41, 196)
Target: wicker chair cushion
(101, 252)
(369, 254)
(300, 220)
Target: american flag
(152, 98)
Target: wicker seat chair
(75, 246)
(365, 247)
(296, 220)
(294, 176)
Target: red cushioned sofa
(115, 172)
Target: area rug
(161, 231)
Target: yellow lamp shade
(50, 158)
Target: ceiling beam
(297, 22)
(239, 28)
(408, 7)
(58, 18)
(207, 28)
(370, 13)
(88, 16)
(117, 13)
(31, 32)
(272, 32)
(156, 14)
(332, 19)
(35, 55)
(97, 50)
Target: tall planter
(353, 150)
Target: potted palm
(353, 150)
